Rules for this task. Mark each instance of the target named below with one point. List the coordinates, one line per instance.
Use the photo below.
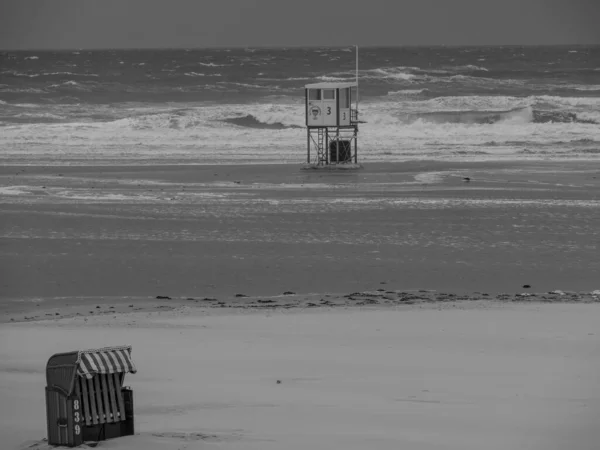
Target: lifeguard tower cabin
(332, 123)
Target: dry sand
(391, 302)
(468, 375)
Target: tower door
(344, 102)
(314, 108)
(329, 108)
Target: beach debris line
(163, 297)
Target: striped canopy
(105, 360)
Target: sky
(88, 24)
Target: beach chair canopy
(105, 360)
(62, 368)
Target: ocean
(246, 106)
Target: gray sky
(41, 24)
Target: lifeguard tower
(332, 122)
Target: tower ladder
(321, 156)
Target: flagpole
(356, 82)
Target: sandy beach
(400, 306)
(459, 376)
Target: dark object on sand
(278, 381)
(288, 293)
(466, 179)
(163, 297)
(526, 286)
(241, 295)
(85, 396)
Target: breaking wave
(595, 87)
(251, 121)
(71, 84)
(407, 92)
(524, 115)
(392, 73)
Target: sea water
(220, 106)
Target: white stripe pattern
(106, 360)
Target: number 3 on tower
(329, 110)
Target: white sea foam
(430, 177)
(331, 78)
(35, 115)
(568, 101)
(408, 92)
(248, 85)
(194, 74)
(69, 73)
(467, 68)
(210, 64)
(71, 84)
(102, 197)
(593, 87)
(14, 190)
(390, 73)
(397, 129)
(16, 73)
(23, 90)
(32, 57)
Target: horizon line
(285, 47)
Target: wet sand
(118, 236)
(397, 306)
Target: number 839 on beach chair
(85, 396)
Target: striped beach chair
(85, 396)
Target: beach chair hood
(63, 368)
(105, 360)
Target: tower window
(345, 98)
(314, 94)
